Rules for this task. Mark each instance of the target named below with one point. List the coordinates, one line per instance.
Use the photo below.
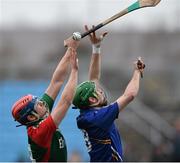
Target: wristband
(96, 48)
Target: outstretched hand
(93, 38)
(70, 42)
(139, 65)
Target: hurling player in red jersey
(46, 142)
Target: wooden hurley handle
(137, 5)
(131, 8)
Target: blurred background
(31, 44)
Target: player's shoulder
(86, 116)
(111, 105)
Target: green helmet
(83, 92)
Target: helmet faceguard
(83, 92)
(24, 107)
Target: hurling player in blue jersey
(96, 119)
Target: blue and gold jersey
(100, 133)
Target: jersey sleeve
(49, 101)
(43, 134)
(105, 116)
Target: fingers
(94, 33)
(93, 37)
(103, 35)
(140, 62)
(70, 42)
(139, 65)
(87, 29)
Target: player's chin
(45, 115)
(104, 103)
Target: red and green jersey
(46, 143)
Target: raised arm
(60, 72)
(133, 87)
(68, 92)
(95, 63)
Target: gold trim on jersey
(105, 141)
